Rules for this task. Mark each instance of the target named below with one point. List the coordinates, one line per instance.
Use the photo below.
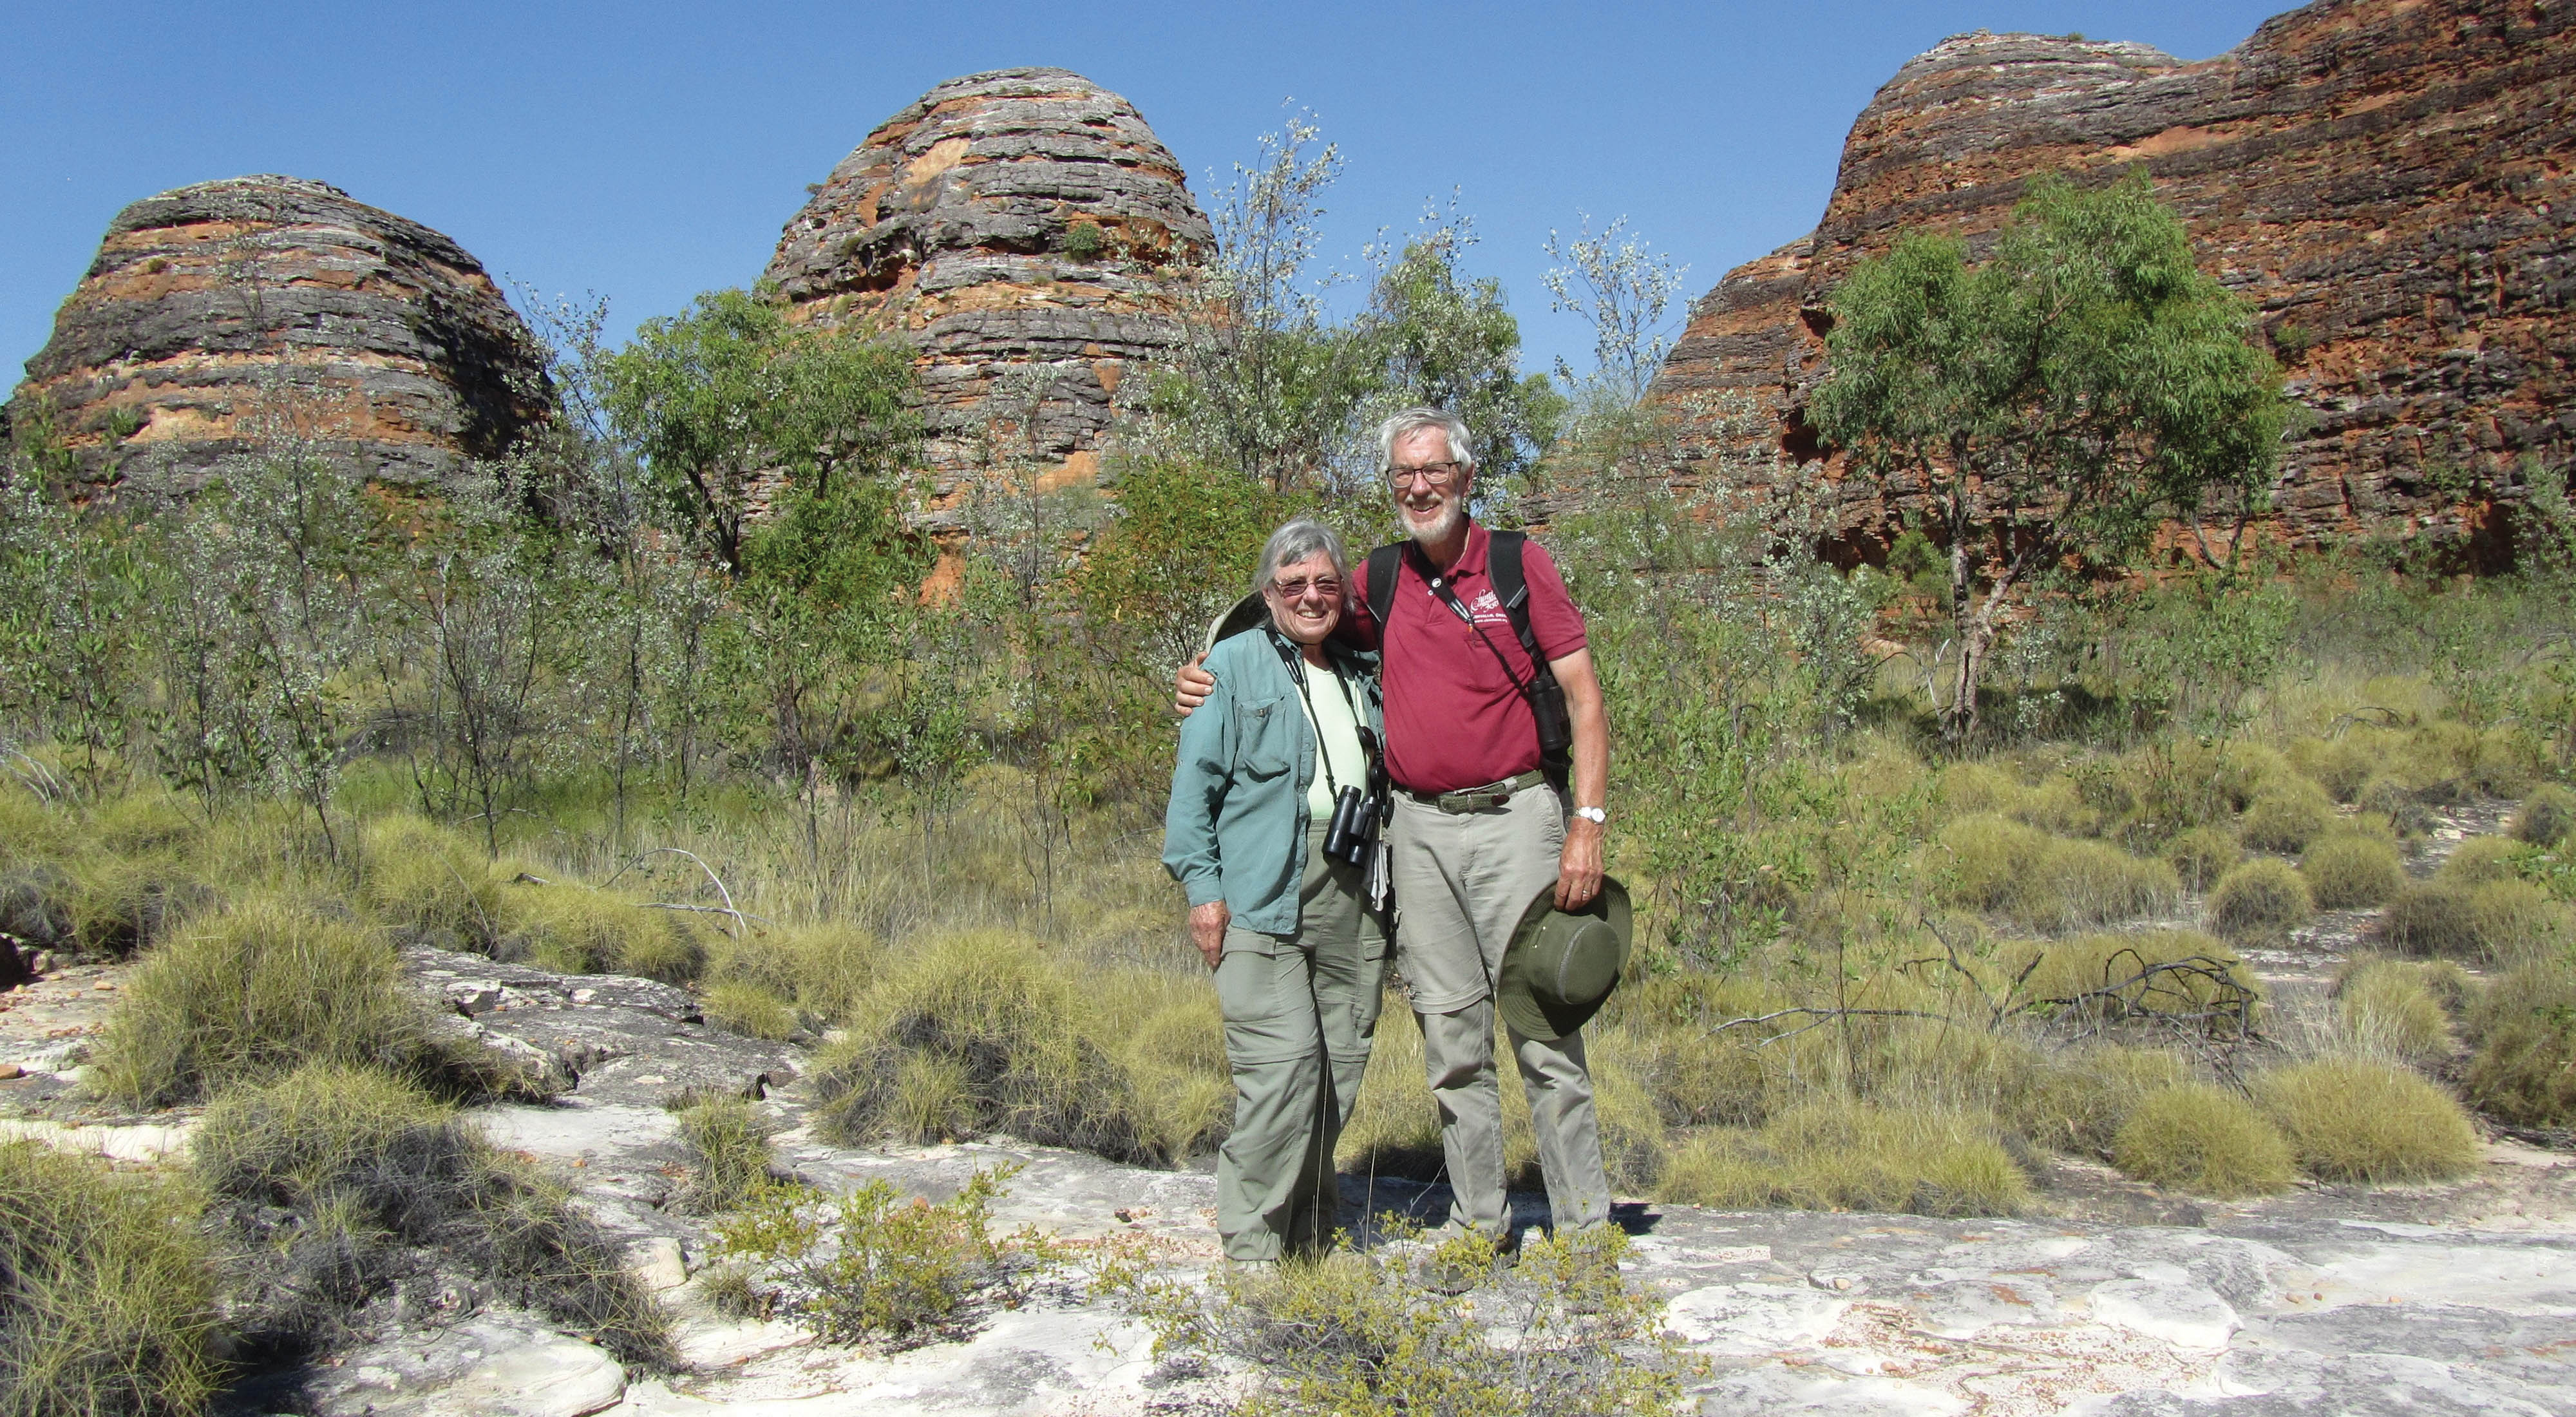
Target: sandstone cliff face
(1029, 235)
(2388, 182)
(222, 314)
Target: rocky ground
(2111, 1297)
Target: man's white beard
(1438, 531)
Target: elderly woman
(1298, 955)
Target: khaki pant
(1462, 881)
(1300, 1015)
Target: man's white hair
(1404, 424)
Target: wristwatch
(1597, 816)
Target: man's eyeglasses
(1296, 590)
(1431, 474)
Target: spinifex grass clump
(2348, 1119)
(728, 1148)
(768, 981)
(572, 929)
(1832, 1154)
(107, 1303)
(2206, 1139)
(2076, 1101)
(981, 1033)
(2287, 814)
(2175, 974)
(2352, 872)
(2259, 902)
(2547, 816)
(2203, 854)
(1560, 1331)
(871, 1264)
(2049, 882)
(2391, 1008)
(339, 1180)
(264, 986)
(2525, 1031)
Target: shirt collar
(1470, 562)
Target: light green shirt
(1337, 739)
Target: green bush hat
(1562, 964)
(1249, 613)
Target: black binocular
(1353, 829)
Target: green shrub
(2348, 1119)
(261, 988)
(2262, 900)
(2205, 1139)
(2286, 816)
(2525, 1030)
(2406, 813)
(867, 1264)
(107, 1302)
(340, 1180)
(981, 1032)
(2076, 1100)
(728, 1148)
(2546, 816)
(2352, 872)
(1831, 1154)
(2203, 854)
(2391, 1007)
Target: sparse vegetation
(2201, 1138)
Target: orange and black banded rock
(1018, 225)
(2389, 183)
(219, 316)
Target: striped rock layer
(221, 317)
(2389, 183)
(1029, 235)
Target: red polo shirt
(1453, 718)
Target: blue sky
(646, 151)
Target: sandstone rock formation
(2386, 181)
(1018, 220)
(222, 314)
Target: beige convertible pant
(1461, 882)
(1300, 1014)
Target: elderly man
(1481, 822)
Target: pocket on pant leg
(1246, 977)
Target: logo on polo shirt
(1488, 608)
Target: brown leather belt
(1477, 799)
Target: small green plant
(1085, 241)
(2348, 872)
(728, 1148)
(261, 988)
(1382, 1332)
(2546, 816)
(2525, 1030)
(2202, 1138)
(107, 1291)
(2391, 1007)
(2349, 1119)
(2262, 900)
(871, 1264)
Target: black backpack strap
(1384, 565)
(1511, 587)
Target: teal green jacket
(1236, 827)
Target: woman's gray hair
(1295, 542)
(1413, 420)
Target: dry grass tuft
(2262, 900)
(107, 1302)
(2090, 965)
(2392, 1008)
(2480, 860)
(2203, 854)
(2525, 1029)
(2547, 816)
(2433, 919)
(572, 929)
(2076, 1101)
(1832, 1154)
(2287, 814)
(262, 988)
(2205, 1139)
(821, 970)
(728, 1153)
(749, 1009)
(2350, 1119)
(2049, 882)
(2349, 872)
(2406, 813)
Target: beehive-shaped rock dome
(224, 314)
(1023, 219)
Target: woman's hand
(1207, 929)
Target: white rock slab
(1754, 1318)
(2186, 1315)
(558, 1377)
(145, 1143)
